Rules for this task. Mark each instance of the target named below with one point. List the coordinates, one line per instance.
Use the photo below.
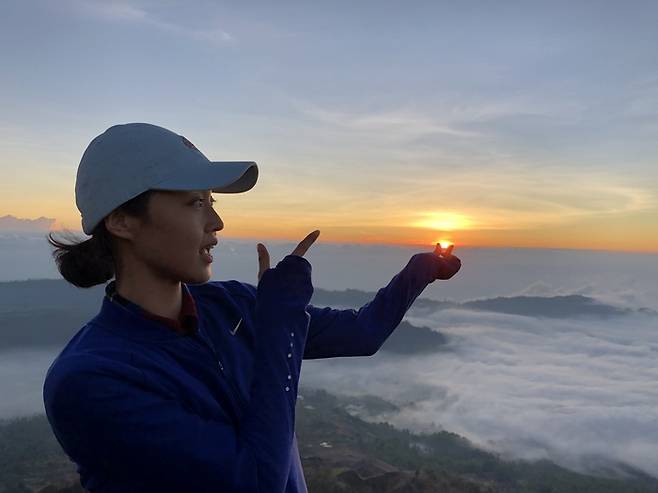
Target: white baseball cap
(132, 158)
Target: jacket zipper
(236, 392)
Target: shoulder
(101, 362)
(76, 376)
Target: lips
(205, 250)
(208, 246)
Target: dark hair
(85, 263)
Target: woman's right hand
(264, 256)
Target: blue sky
(522, 124)
(523, 117)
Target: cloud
(491, 110)
(451, 118)
(499, 190)
(579, 392)
(396, 124)
(9, 223)
(126, 12)
(538, 288)
(113, 11)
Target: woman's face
(170, 242)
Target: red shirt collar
(187, 320)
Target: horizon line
(392, 244)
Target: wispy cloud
(112, 11)
(513, 195)
(394, 124)
(488, 110)
(127, 12)
(452, 118)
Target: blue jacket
(140, 408)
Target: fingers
(263, 259)
(446, 253)
(306, 243)
(300, 250)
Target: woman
(180, 383)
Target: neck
(159, 296)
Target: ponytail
(85, 263)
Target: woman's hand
(449, 265)
(447, 253)
(435, 265)
(300, 250)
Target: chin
(198, 278)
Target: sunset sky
(506, 124)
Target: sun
(444, 243)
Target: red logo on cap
(188, 143)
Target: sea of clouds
(582, 392)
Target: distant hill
(567, 306)
(49, 293)
(407, 339)
(340, 453)
(570, 306)
(48, 312)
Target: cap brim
(221, 177)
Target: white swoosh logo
(236, 328)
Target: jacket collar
(133, 325)
(129, 321)
(186, 321)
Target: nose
(217, 223)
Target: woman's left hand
(441, 264)
(449, 265)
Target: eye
(203, 201)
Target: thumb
(263, 259)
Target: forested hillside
(340, 452)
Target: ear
(120, 224)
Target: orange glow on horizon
(444, 221)
(625, 233)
